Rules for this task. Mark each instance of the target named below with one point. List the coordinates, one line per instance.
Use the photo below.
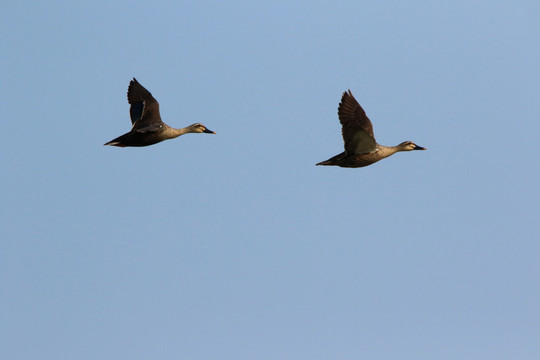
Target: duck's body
(361, 149)
(365, 159)
(148, 129)
(155, 133)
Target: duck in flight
(148, 129)
(361, 149)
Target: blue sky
(235, 245)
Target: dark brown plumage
(147, 126)
(361, 149)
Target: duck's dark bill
(419, 148)
(208, 131)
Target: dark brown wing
(144, 110)
(356, 128)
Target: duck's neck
(174, 133)
(386, 151)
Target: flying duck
(361, 149)
(148, 129)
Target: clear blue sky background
(236, 246)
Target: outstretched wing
(144, 110)
(356, 127)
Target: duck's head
(200, 128)
(409, 145)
